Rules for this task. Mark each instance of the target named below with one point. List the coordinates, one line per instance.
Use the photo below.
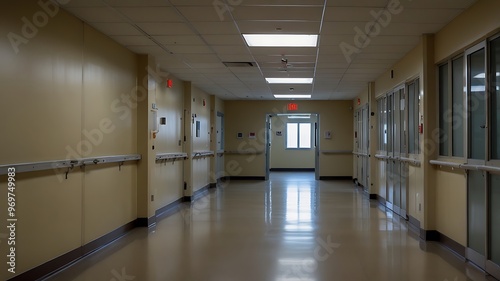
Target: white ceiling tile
(231, 49)
(133, 40)
(180, 40)
(236, 58)
(349, 14)
(96, 14)
(173, 28)
(113, 29)
(216, 28)
(136, 3)
(189, 49)
(152, 50)
(203, 13)
(224, 39)
(300, 27)
(289, 13)
(200, 58)
(150, 14)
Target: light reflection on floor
(289, 228)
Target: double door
(397, 170)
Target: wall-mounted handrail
(360, 154)
(60, 164)
(198, 154)
(413, 162)
(171, 156)
(382, 157)
(490, 169)
(447, 164)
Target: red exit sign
(293, 107)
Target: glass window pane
(495, 98)
(412, 130)
(477, 105)
(477, 211)
(390, 114)
(305, 135)
(443, 110)
(458, 107)
(380, 126)
(292, 131)
(495, 218)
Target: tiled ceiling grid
(192, 38)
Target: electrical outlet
(152, 198)
(420, 207)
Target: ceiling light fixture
(292, 96)
(289, 80)
(281, 40)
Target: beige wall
(288, 158)
(250, 116)
(198, 108)
(217, 162)
(479, 21)
(58, 92)
(168, 180)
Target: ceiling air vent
(239, 64)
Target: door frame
(316, 142)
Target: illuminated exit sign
(293, 107)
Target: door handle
(483, 127)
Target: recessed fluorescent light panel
(281, 40)
(289, 80)
(292, 96)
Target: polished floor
(289, 228)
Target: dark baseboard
(429, 235)
(373, 196)
(434, 235)
(74, 255)
(292, 169)
(169, 209)
(381, 200)
(452, 245)
(197, 194)
(414, 225)
(247, 178)
(328, 178)
(213, 185)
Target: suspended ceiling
(191, 39)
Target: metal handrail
(447, 164)
(171, 156)
(59, 164)
(360, 154)
(413, 162)
(382, 157)
(198, 154)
